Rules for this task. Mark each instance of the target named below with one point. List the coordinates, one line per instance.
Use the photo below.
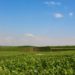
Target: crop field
(37, 63)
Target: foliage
(37, 64)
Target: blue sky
(37, 22)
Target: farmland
(19, 61)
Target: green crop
(37, 65)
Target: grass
(58, 53)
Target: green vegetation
(33, 48)
(37, 61)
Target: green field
(14, 61)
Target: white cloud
(58, 15)
(29, 35)
(50, 3)
(71, 14)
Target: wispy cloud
(36, 41)
(29, 35)
(58, 15)
(52, 3)
(25, 39)
(71, 14)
